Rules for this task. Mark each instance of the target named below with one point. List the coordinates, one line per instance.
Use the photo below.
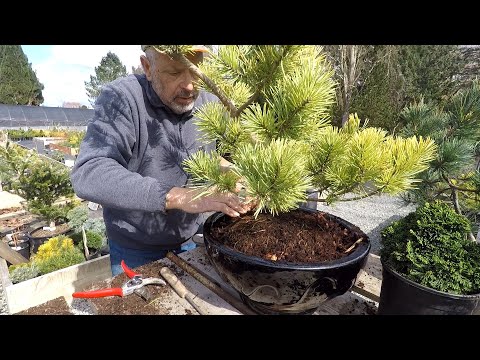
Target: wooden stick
(180, 289)
(210, 284)
(10, 255)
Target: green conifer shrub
(430, 246)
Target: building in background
(71, 105)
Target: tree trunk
(349, 62)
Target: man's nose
(188, 80)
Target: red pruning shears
(136, 282)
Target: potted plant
(430, 266)
(93, 229)
(272, 124)
(57, 253)
(18, 241)
(43, 185)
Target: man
(130, 160)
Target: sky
(63, 69)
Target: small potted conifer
(430, 266)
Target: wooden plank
(10, 255)
(369, 280)
(63, 282)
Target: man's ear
(146, 67)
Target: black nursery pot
(280, 287)
(400, 296)
(35, 242)
(22, 247)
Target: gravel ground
(371, 215)
(3, 302)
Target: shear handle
(99, 293)
(130, 273)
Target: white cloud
(64, 73)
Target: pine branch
(215, 89)
(376, 192)
(457, 188)
(266, 80)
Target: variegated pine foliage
(275, 129)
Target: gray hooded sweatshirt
(129, 160)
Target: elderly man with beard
(130, 160)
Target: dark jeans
(134, 258)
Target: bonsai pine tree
(273, 125)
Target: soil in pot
(17, 221)
(38, 236)
(292, 237)
(286, 264)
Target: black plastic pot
(400, 296)
(284, 288)
(35, 242)
(22, 247)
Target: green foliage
(77, 217)
(110, 68)
(74, 138)
(279, 180)
(429, 71)
(15, 162)
(96, 225)
(43, 184)
(346, 160)
(379, 98)
(22, 272)
(278, 136)
(94, 240)
(455, 127)
(57, 253)
(57, 155)
(18, 81)
(430, 247)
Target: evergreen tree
(110, 68)
(137, 70)
(454, 175)
(379, 96)
(18, 81)
(429, 71)
(273, 122)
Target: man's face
(171, 80)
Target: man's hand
(228, 203)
